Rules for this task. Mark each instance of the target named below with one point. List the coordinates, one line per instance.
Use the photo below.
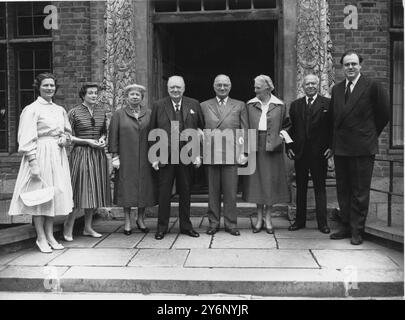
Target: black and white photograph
(223, 152)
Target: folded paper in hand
(285, 136)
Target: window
(25, 51)
(397, 74)
(3, 100)
(31, 61)
(30, 19)
(211, 5)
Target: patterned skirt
(90, 177)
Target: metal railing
(390, 191)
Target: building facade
(117, 42)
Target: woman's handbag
(39, 196)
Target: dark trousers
(353, 182)
(222, 179)
(167, 174)
(317, 165)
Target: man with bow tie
(310, 150)
(223, 117)
(360, 111)
(174, 114)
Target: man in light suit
(223, 116)
(360, 111)
(182, 113)
(310, 150)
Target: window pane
(190, 5)
(25, 60)
(2, 20)
(26, 79)
(24, 26)
(39, 29)
(2, 80)
(39, 6)
(2, 57)
(397, 13)
(240, 4)
(26, 98)
(165, 5)
(214, 4)
(24, 8)
(42, 59)
(398, 94)
(261, 4)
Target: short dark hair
(85, 86)
(349, 52)
(41, 77)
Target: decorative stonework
(314, 45)
(119, 61)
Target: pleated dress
(88, 165)
(41, 125)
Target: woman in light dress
(43, 133)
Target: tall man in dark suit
(223, 116)
(360, 111)
(178, 112)
(310, 149)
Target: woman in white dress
(43, 133)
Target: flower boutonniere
(192, 111)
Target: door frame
(285, 37)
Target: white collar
(313, 98)
(225, 99)
(354, 82)
(43, 101)
(174, 104)
(273, 100)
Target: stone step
(380, 229)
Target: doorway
(200, 51)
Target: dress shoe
(44, 248)
(56, 246)
(127, 232)
(324, 229)
(356, 240)
(233, 231)
(212, 231)
(159, 235)
(295, 226)
(144, 230)
(191, 233)
(341, 234)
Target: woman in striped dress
(88, 161)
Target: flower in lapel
(192, 111)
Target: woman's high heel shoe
(56, 246)
(268, 230)
(256, 230)
(144, 230)
(67, 238)
(43, 249)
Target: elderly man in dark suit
(360, 111)
(223, 116)
(174, 114)
(310, 149)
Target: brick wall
(97, 43)
(72, 50)
(372, 41)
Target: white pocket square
(192, 111)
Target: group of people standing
(317, 126)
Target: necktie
(348, 91)
(178, 116)
(221, 102)
(310, 99)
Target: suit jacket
(357, 125)
(317, 138)
(163, 113)
(233, 116)
(277, 120)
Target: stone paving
(301, 263)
